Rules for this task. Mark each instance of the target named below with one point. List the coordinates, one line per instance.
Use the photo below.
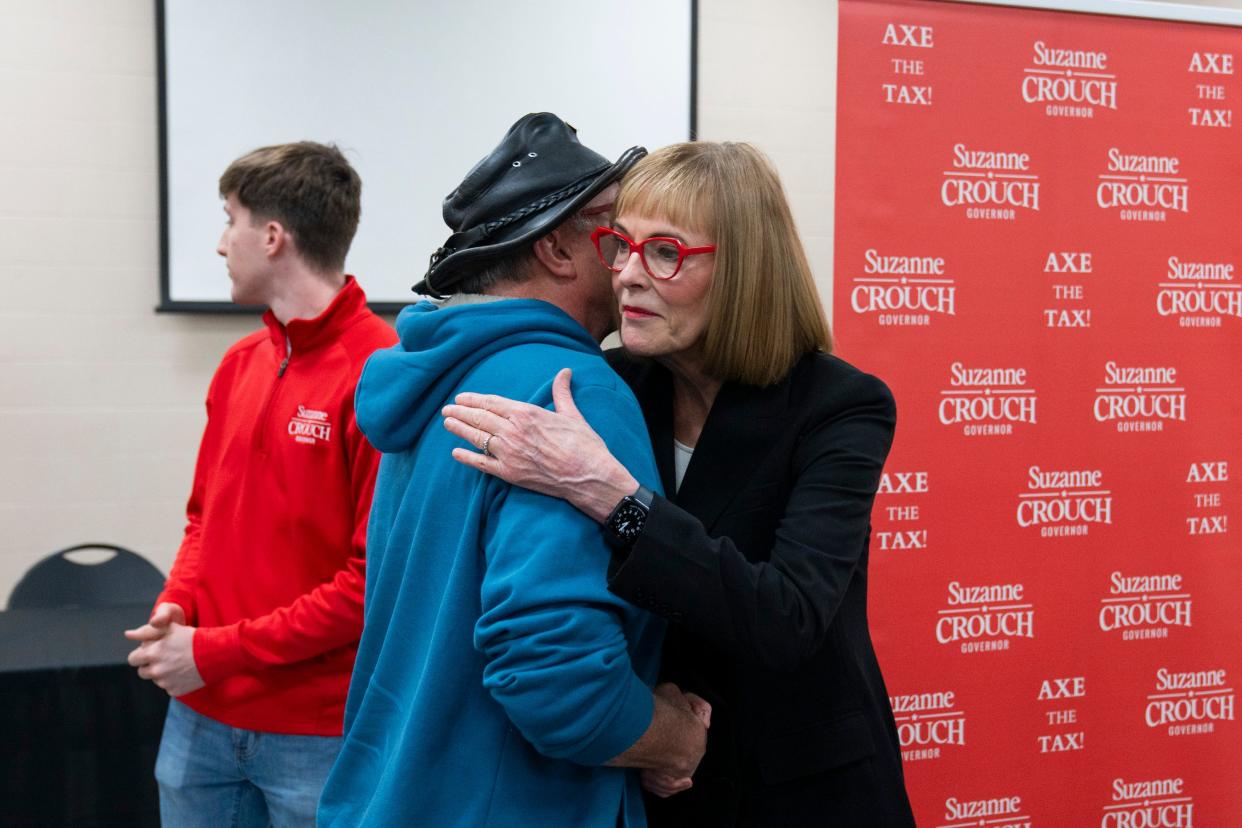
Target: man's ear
(275, 239)
(553, 253)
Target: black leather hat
(536, 178)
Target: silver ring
(486, 442)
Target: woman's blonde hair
(765, 311)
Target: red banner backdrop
(1038, 219)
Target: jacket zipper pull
(283, 366)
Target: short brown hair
(765, 312)
(309, 188)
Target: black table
(79, 731)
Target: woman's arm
(776, 612)
(553, 453)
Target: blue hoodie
(496, 672)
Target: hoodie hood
(403, 388)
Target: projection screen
(414, 93)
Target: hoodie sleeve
(558, 660)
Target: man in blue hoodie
(498, 682)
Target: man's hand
(166, 655)
(676, 738)
(665, 785)
(162, 618)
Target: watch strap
(644, 496)
(631, 508)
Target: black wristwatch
(625, 523)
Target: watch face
(627, 521)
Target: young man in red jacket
(255, 632)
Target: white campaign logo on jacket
(310, 426)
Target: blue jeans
(213, 775)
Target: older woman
(770, 451)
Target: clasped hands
(674, 775)
(166, 654)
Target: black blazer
(759, 563)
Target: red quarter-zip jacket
(272, 569)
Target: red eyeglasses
(661, 255)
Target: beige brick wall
(100, 397)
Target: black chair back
(57, 581)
